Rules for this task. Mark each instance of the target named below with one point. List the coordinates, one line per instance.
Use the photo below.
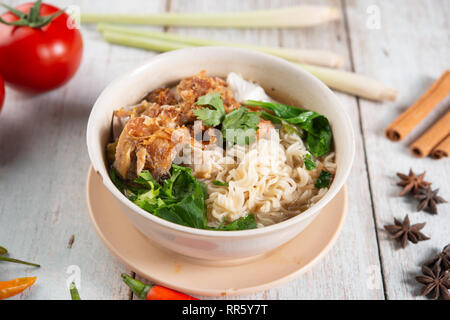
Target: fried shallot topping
(148, 135)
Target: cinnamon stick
(409, 119)
(442, 150)
(432, 137)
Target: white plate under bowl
(174, 271)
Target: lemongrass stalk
(344, 81)
(142, 42)
(352, 83)
(293, 17)
(318, 57)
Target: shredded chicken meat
(149, 135)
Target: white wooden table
(43, 156)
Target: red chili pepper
(153, 292)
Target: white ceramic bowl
(282, 80)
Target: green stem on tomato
(31, 19)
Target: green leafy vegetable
(179, 199)
(309, 163)
(317, 129)
(210, 117)
(291, 129)
(240, 126)
(220, 183)
(324, 180)
(243, 223)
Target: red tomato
(39, 59)
(2, 92)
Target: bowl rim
(333, 190)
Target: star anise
(429, 200)
(404, 231)
(411, 182)
(443, 259)
(436, 281)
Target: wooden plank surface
(44, 136)
(43, 168)
(343, 280)
(409, 51)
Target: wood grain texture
(343, 280)
(44, 162)
(43, 168)
(409, 52)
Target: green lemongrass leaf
(3, 251)
(344, 81)
(142, 43)
(74, 292)
(291, 17)
(7, 259)
(352, 83)
(319, 57)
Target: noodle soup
(220, 154)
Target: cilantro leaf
(220, 183)
(324, 180)
(309, 163)
(210, 117)
(240, 126)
